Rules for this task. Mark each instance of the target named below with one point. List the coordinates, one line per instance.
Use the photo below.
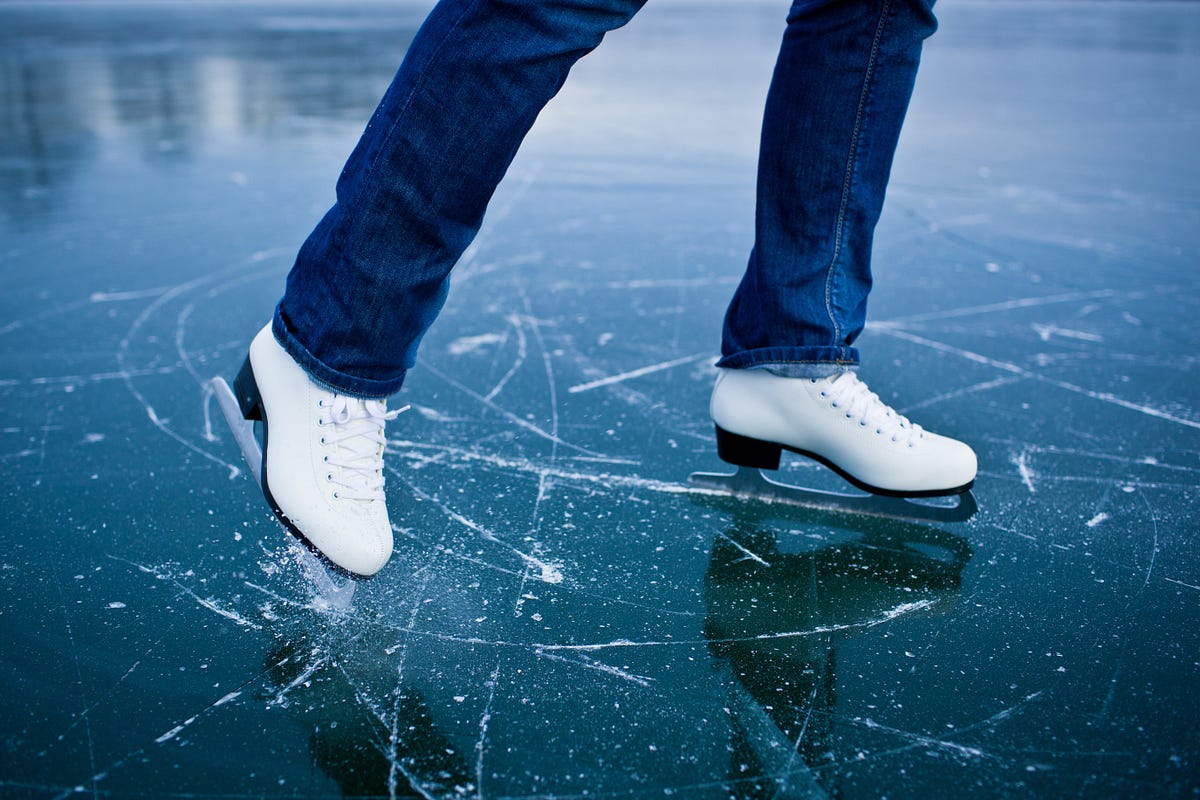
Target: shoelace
(354, 429)
(850, 395)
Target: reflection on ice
(782, 689)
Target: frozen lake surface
(563, 616)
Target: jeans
(372, 276)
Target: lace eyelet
(336, 496)
(329, 477)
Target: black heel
(742, 451)
(245, 389)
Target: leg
(841, 87)
(370, 279)
(373, 275)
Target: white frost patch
(116, 604)
(1096, 520)
(171, 734)
(469, 344)
(211, 605)
(432, 414)
(639, 372)
(92, 438)
(1021, 462)
(547, 571)
(1044, 332)
(108, 297)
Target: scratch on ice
(171, 734)
(1021, 462)
(888, 616)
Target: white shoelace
(353, 429)
(856, 401)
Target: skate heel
(744, 451)
(245, 389)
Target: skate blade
(327, 590)
(243, 429)
(750, 483)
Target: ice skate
(323, 468)
(330, 584)
(839, 422)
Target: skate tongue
(345, 409)
(857, 401)
(357, 434)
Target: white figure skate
(333, 586)
(322, 474)
(904, 471)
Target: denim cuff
(795, 362)
(331, 379)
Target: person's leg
(833, 115)
(372, 276)
(837, 101)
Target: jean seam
(371, 168)
(851, 163)
(404, 107)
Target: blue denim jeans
(372, 276)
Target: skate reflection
(368, 751)
(775, 619)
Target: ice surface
(564, 616)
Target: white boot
(322, 458)
(839, 422)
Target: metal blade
(750, 483)
(243, 429)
